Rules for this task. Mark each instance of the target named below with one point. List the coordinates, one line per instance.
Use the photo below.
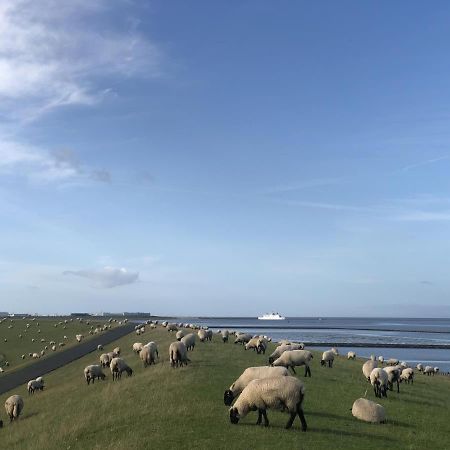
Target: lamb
(367, 368)
(242, 338)
(92, 372)
(189, 341)
(351, 355)
(394, 373)
(117, 366)
(407, 375)
(283, 348)
(147, 355)
(368, 411)
(328, 356)
(379, 381)
(292, 358)
(179, 335)
(13, 407)
(137, 347)
(224, 334)
(35, 385)
(178, 354)
(280, 393)
(249, 374)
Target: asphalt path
(56, 360)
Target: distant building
(136, 314)
(3, 314)
(80, 314)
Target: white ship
(271, 316)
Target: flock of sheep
(257, 388)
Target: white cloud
(55, 53)
(108, 277)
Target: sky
(225, 158)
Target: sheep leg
(293, 370)
(301, 415)
(291, 420)
(266, 420)
(398, 387)
(258, 422)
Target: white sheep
(242, 338)
(292, 358)
(14, 406)
(149, 353)
(172, 327)
(99, 347)
(137, 347)
(428, 370)
(351, 355)
(189, 341)
(392, 362)
(92, 372)
(224, 334)
(117, 366)
(279, 393)
(381, 360)
(79, 337)
(35, 385)
(180, 334)
(420, 367)
(394, 373)
(379, 381)
(368, 411)
(178, 354)
(116, 351)
(283, 348)
(249, 374)
(105, 359)
(367, 368)
(407, 375)
(436, 369)
(328, 357)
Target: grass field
(161, 407)
(15, 347)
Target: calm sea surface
(352, 331)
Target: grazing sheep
(327, 357)
(35, 385)
(172, 327)
(116, 351)
(117, 366)
(407, 375)
(379, 381)
(189, 341)
(178, 354)
(249, 374)
(201, 335)
(420, 367)
(105, 360)
(153, 349)
(283, 348)
(179, 335)
(381, 360)
(224, 334)
(351, 355)
(137, 347)
(147, 356)
(436, 369)
(428, 370)
(368, 411)
(394, 373)
(252, 344)
(292, 358)
(242, 338)
(261, 345)
(92, 372)
(13, 407)
(367, 368)
(392, 362)
(280, 393)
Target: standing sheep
(292, 358)
(224, 334)
(146, 356)
(13, 407)
(284, 348)
(189, 341)
(137, 347)
(407, 375)
(117, 366)
(367, 368)
(394, 373)
(351, 355)
(178, 354)
(179, 335)
(281, 393)
(92, 372)
(250, 374)
(35, 385)
(105, 359)
(327, 357)
(242, 338)
(379, 381)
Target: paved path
(14, 379)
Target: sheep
(407, 375)
(351, 355)
(252, 344)
(92, 372)
(79, 337)
(428, 370)
(147, 355)
(335, 351)
(189, 341)
(280, 393)
(327, 356)
(381, 360)
(392, 362)
(54, 348)
(178, 354)
(209, 335)
(379, 381)
(137, 347)
(224, 334)
(394, 373)
(13, 407)
(99, 347)
(35, 385)
(420, 367)
(261, 345)
(202, 335)
(242, 338)
(105, 359)
(284, 342)
(292, 358)
(283, 348)
(436, 369)
(116, 351)
(367, 368)
(249, 374)
(36, 355)
(368, 411)
(117, 366)
(179, 335)
(172, 327)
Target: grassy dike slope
(172, 408)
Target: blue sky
(225, 158)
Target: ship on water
(271, 316)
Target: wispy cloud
(107, 277)
(424, 163)
(301, 185)
(53, 54)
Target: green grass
(15, 347)
(161, 407)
